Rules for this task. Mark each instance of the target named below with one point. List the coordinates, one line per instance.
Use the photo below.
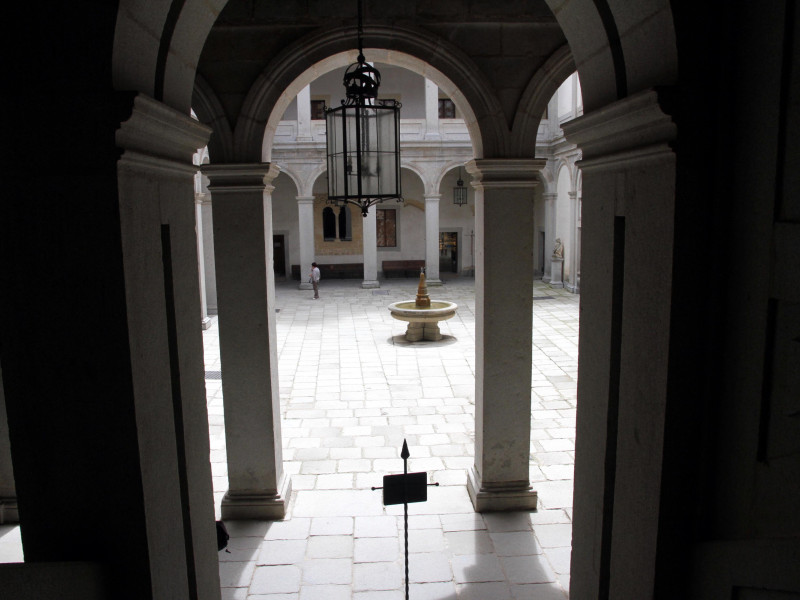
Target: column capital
(305, 199)
(505, 172)
(634, 128)
(158, 131)
(240, 177)
(432, 197)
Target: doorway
(279, 255)
(448, 252)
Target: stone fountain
(423, 314)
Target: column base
(255, 505)
(514, 495)
(9, 511)
(305, 286)
(370, 283)
(205, 323)
(433, 282)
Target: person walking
(314, 279)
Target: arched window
(345, 225)
(328, 224)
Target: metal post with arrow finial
(403, 489)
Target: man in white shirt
(315, 274)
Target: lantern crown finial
(361, 81)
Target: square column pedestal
(504, 233)
(556, 271)
(241, 201)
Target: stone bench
(409, 268)
(333, 271)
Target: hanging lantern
(363, 140)
(459, 192)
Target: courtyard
(352, 389)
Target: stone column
(431, 110)
(112, 399)
(370, 250)
(305, 216)
(572, 251)
(209, 263)
(550, 203)
(205, 321)
(157, 219)
(628, 171)
(504, 235)
(257, 485)
(432, 240)
(304, 115)
(8, 492)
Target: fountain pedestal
(423, 314)
(417, 331)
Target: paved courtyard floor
(352, 389)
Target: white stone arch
(318, 171)
(449, 166)
(209, 110)
(285, 76)
(412, 202)
(157, 47)
(295, 177)
(535, 98)
(619, 48)
(548, 179)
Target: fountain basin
(423, 321)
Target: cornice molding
(506, 172)
(240, 177)
(159, 131)
(634, 128)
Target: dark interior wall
(731, 469)
(63, 346)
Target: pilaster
(304, 115)
(431, 110)
(305, 216)
(504, 236)
(550, 203)
(572, 251)
(205, 320)
(432, 240)
(209, 264)
(257, 485)
(370, 250)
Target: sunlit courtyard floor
(352, 389)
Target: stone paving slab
(352, 388)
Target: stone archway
(614, 59)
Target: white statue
(558, 251)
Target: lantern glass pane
(336, 156)
(363, 152)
